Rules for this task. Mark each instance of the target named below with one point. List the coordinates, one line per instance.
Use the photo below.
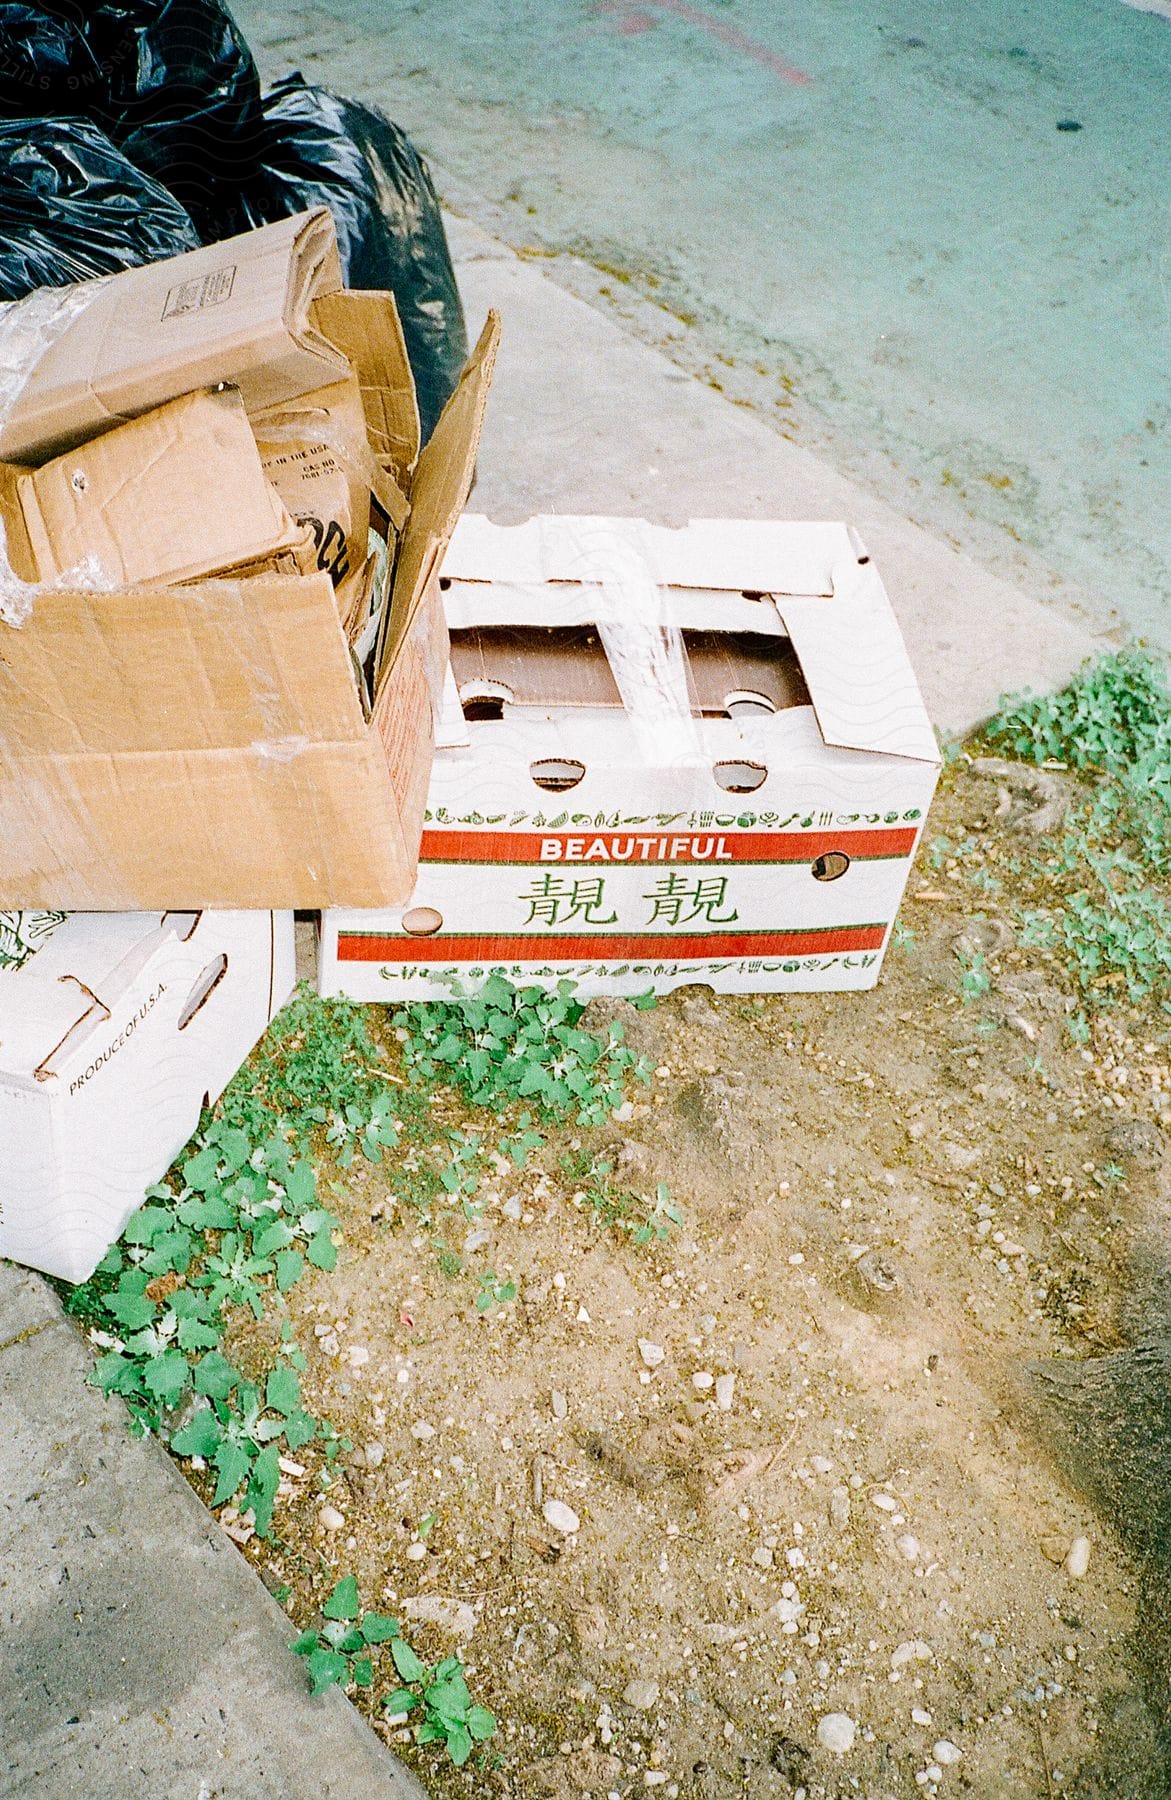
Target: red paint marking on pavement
(736, 40)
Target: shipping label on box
(116, 1029)
(765, 847)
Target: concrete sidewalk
(142, 1658)
(585, 417)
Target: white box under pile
(116, 1029)
(754, 830)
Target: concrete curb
(142, 1656)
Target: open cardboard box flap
(813, 581)
(439, 492)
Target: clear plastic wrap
(645, 650)
(28, 328)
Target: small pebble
(560, 1404)
(933, 1772)
(702, 1381)
(946, 1752)
(725, 1391)
(839, 1507)
(421, 1430)
(912, 1650)
(763, 1557)
(640, 1694)
(1078, 1559)
(331, 1518)
(416, 1552)
(884, 1503)
(920, 1716)
(375, 1454)
(821, 1465)
(652, 1354)
(836, 1732)
(560, 1517)
(908, 1546)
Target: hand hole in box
(739, 777)
(422, 921)
(556, 774)
(830, 867)
(484, 699)
(204, 988)
(743, 703)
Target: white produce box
(116, 1029)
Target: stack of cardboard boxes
(234, 682)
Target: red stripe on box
(599, 946)
(637, 847)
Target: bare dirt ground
(810, 1465)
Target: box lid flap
(68, 985)
(740, 555)
(439, 492)
(366, 328)
(855, 663)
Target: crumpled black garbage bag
(47, 69)
(72, 206)
(324, 151)
(181, 95)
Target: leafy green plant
(450, 1715)
(975, 980)
(1109, 716)
(493, 1291)
(505, 1043)
(1111, 925)
(340, 1651)
(343, 1648)
(619, 1209)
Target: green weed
(450, 1715)
(344, 1651)
(1111, 923)
(621, 1210)
(504, 1043)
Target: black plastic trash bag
(324, 151)
(72, 206)
(181, 96)
(47, 69)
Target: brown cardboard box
(171, 496)
(208, 745)
(240, 311)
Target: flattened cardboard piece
(439, 493)
(171, 496)
(112, 1039)
(238, 312)
(365, 326)
(554, 846)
